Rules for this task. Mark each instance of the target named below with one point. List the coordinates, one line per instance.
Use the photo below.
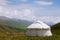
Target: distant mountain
(16, 23)
(4, 18)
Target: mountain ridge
(16, 23)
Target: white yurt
(38, 29)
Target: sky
(30, 9)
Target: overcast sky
(29, 9)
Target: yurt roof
(38, 25)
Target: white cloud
(26, 12)
(48, 19)
(3, 10)
(21, 12)
(44, 3)
(3, 2)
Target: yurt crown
(38, 22)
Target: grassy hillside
(4, 28)
(18, 24)
(56, 29)
(15, 23)
(56, 26)
(7, 33)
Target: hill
(15, 23)
(56, 26)
(4, 29)
(56, 29)
(9, 33)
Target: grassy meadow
(22, 36)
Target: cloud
(47, 19)
(3, 9)
(26, 12)
(22, 11)
(44, 3)
(3, 2)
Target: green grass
(21, 36)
